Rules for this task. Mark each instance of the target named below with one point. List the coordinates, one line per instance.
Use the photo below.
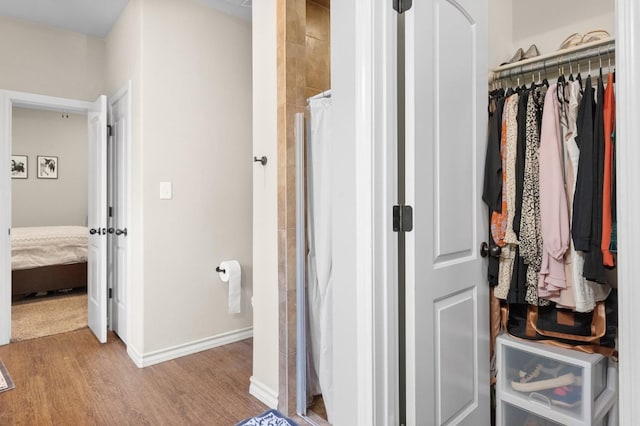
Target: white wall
(344, 81)
(50, 61)
(265, 196)
(50, 202)
(123, 50)
(196, 129)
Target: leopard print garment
(530, 233)
(507, 255)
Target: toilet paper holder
(218, 269)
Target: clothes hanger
(600, 59)
(579, 77)
(570, 70)
(561, 83)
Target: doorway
(48, 223)
(96, 206)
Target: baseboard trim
(263, 393)
(135, 356)
(162, 355)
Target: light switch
(166, 192)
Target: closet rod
(601, 49)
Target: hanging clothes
(518, 286)
(586, 293)
(530, 236)
(583, 197)
(502, 228)
(607, 186)
(492, 187)
(593, 261)
(554, 213)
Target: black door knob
(495, 250)
(484, 249)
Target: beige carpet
(47, 317)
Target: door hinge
(110, 211)
(109, 130)
(402, 218)
(402, 6)
(110, 293)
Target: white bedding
(48, 245)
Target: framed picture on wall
(47, 167)
(19, 167)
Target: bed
(48, 258)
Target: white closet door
(97, 209)
(447, 293)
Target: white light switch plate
(166, 191)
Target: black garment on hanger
(518, 286)
(520, 158)
(492, 190)
(593, 263)
(583, 196)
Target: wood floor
(70, 379)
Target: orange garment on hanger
(609, 126)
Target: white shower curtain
(319, 281)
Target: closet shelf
(599, 50)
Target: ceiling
(94, 17)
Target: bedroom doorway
(96, 265)
(48, 223)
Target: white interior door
(119, 203)
(447, 295)
(97, 250)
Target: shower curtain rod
(550, 62)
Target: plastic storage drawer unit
(561, 386)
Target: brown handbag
(592, 332)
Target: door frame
(123, 94)
(363, 77)
(9, 99)
(628, 199)
(356, 65)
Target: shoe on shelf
(565, 396)
(571, 41)
(531, 52)
(516, 56)
(595, 35)
(540, 378)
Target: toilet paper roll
(232, 275)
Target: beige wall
(49, 61)
(50, 202)
(548, 30)
(196, 130)
(514, 24)
(265, 215)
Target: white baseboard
(264, 393)
(162, 355)
(135, 356)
